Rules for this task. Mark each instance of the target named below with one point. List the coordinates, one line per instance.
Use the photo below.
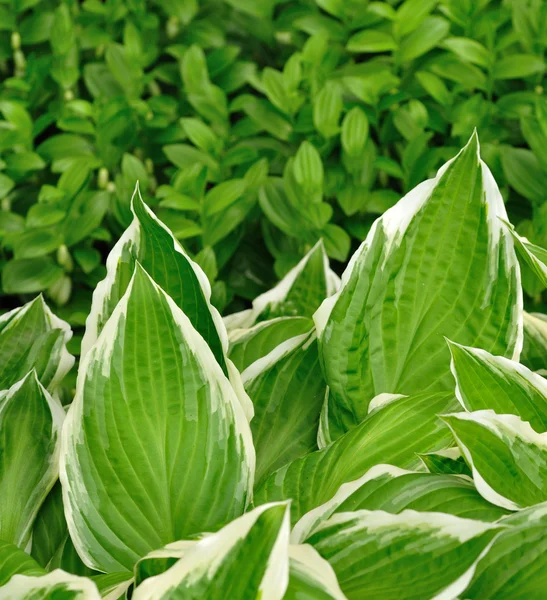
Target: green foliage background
(253, 127)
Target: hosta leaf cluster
(380, 435)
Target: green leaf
(6, 185)
(423, 38)
(308, 169)
(435, 87)
(223, 195)
(56, 585)
(63, 38)
(534, 348)
(469, 50)
(310, 576)
(201, 135)
(518, 66)
(13, 561)
(515, 564)
(30, 275)
(377, 555)
(508, 458)
(392, 433)
(355, 129)
(371, 40)
(532, 255)
(32, 337)
(113, 585)
(524, 174)
(30, 421)
(179, 449)
(394, 490)
(153, 245)
(183, 155)
(287, 389)
(38, 242)
(485, 381)
(425, 266)
(220, 562)
(446, 462)
(52, 547)
(327, 108)
(24, 161)
(248, 345)
(411, 13)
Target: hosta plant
(382, 436)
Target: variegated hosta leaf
(158, 561)
(32, 337)
(148, 241)
(156, 445)
(439, 263)
(409, 556)
(446, 462)
(534, 256)
(508, 458)
(248, 345)
(30, 425)
(515, 567)
(246, 560)
(113, 586)
(14, 561)
(52, 547)
(534, 348)
(299, 293)
(287, 389)
(392, 433)
(485, 381)
(57, 585)
(393, 490)
(310, 576)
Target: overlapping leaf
(516, 564)
(508, 458)
(446, 462)
(30, 424)
(156, 445)
(484, 381)
(439, 263)
(287, 389)
(57, 585)
(392, 433)
(248, 345)
(14, 561)
(533, 255)
(299, 293)
(148, 241)
(247, 559)
(409, 556)
(31, 337)
(310, 576)
(534, 349)
(393, 490)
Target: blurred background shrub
(253, 126)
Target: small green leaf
(423, 38)
(518, 66)
(327, 108)
(371, 40)
(30, 275)
(534, 349)
(355, 129)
